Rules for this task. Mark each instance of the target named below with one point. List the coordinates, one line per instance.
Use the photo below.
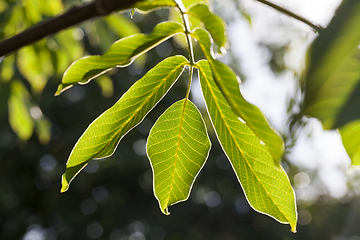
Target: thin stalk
(185, 19)
(190, 80)
(316, 27)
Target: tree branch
(316, 27)
(73, 16)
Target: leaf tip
(293, 228)
(165, 211)
(64, 184)
(58, 91)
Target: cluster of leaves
(178, 144)
(332, 78)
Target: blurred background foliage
(113, 198)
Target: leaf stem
(74, 16)
(316, 27)
(190, 80)
(186, 22)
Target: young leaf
(121, 54)
(150, 5)
(214, 24)
(178, 146)
(104, 134)
(265, 183)
(228, 83)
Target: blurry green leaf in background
(333, 76)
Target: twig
(73, 16)
(316, 27)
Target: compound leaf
(178, 146)
(265, 183)
(214, 24)
(121, 54)
(228, 83)
(104, 134)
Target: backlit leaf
(228, 83)
(332, 80)
(337, 102)
(333, 67)
(178, 146)
(104, 134)
(265, 183)
(214, 24)
(121, 54)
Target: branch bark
(316, 27)
(73, 16)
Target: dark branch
(317, 28)
(73, 16)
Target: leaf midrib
(240, 150)
(177, 151)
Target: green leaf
(178, 146)
(214, 24)
(121, 54)
(351, 141)
(150, 5)
(104, 134)
(337, 101)
(333, 67)
(265, 183)
(332, 80)
(228, 83)
(19, 115)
